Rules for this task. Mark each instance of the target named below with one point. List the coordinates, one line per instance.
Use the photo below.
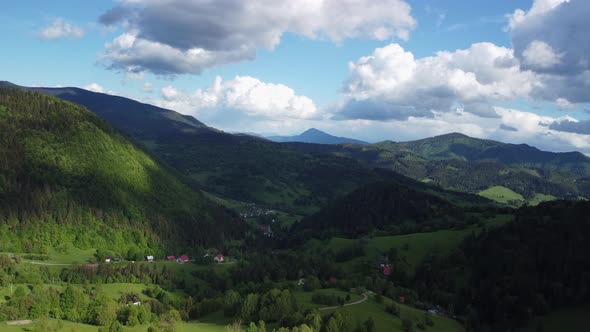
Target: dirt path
(49, 264)
(365, 297)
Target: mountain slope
(462, 163)
(316, 136)
(384, 206)
(301, 177)
(67, 176)
(240, 167)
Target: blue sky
(369, 69)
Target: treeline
(534, 264)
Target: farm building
(219, 258)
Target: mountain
(301, 177)
(66, 176)
(316, 136)
(240, 167)
(458, 162)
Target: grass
(419, 245)
(304, 298)
(386, 322)
(539, 198)
(573, 319)
(502, 195)
(78, 327)
(71, 255)
(53, 323)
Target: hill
(316, 136)
(300, 177)
(512, 273)
(241, 167)
(62, 167)
(386, 206)
(467, 164)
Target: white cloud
(61, 29)
(551, 39)
(242, 97)
(391, 84)
(177, 36)
(540, 55)
(95, 87)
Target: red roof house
(387, 270)
(182, 259)
(171, 258)
(219, 258)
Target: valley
(96, 198)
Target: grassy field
(304, 298)
(502, 195)
(386, 322)
(418, 245)
(65, 326)
(539, 198)
(574, 319)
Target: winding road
(365, 297)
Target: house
(149, 258)
(107, 260)
(219, 258)
(170, 258)
(182, 259)
(387, 270)
(137, 303)
(266, 230)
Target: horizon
(270, 135)
(397, 70)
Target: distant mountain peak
(314, 135)
(452, 135)
(314, 131)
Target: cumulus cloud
(392, 84)
(95, 87)
(61, 29)
(551, 39)
(540, 55)
(176, 36)
(242, 97)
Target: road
(365, 297)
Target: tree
(252, 327)
(249, 307)
(236, 326)
(231, 303)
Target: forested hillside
(66, 176)
(533, 265)
(467, 164)
(386, 206)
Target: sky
(516, 71)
